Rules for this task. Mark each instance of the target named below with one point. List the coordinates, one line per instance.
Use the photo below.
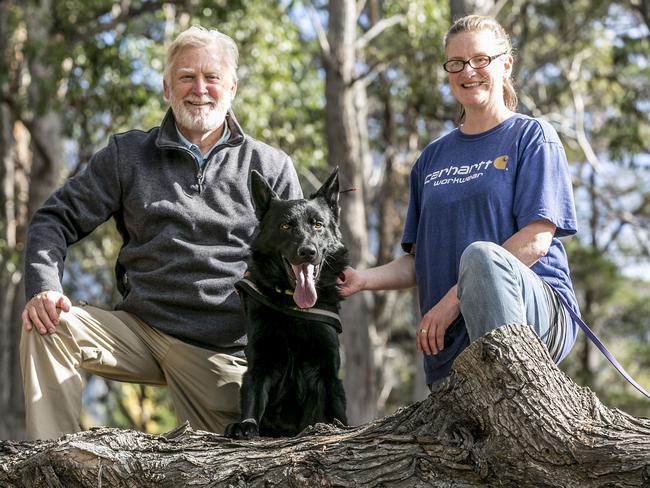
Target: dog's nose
(307, 252)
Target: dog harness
(327, 314)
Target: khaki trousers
(203, 385)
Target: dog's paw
(246, 429)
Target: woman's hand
(430, 338)
(350, 282)
(395, 275)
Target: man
(179, 196)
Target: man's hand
(43, 310)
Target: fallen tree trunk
(506, 417)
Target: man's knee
(62, 341)
(70, 319)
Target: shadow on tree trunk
(507, 416)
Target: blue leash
(585, 328)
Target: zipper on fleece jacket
(199, 178)
(200, 174)
(200, 170)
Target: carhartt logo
(501, 162)
(464, 173)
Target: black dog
(291, 304)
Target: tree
(347, 148)
(31, 150)
(347, 144)
(460, 8)
(506, 417)
(406, 107)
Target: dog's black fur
(293, 362)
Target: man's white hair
(197, 36)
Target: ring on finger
(423, 331)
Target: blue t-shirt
(485, 187)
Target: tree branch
(39, 145)
(578, 102)
(373, 70)
(127, 13)
(361, 4)
(377, 29)
(321, 35)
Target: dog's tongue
(305, 293)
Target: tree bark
(14, 154)
(507, 416)
(10, 396)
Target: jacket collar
(168, 137)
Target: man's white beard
(200, 120)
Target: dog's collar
(283, 292)
(324, 313)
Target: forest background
(357, 85)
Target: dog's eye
(285, 226)
(318, 225)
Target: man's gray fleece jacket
(186, 230)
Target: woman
(488, 203)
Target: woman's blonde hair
(479, 23)
(197, 36)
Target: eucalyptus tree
(408, 109)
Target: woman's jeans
(495, 288)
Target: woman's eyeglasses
(477, 62)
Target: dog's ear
(330, 192)
(261, 194)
